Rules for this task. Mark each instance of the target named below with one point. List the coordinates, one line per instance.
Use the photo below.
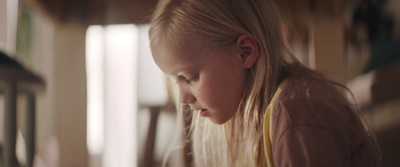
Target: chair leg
(148, 160)
(187, 148)
(30, 127)
(10, 126)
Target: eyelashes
(193, 79)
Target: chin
(219, 121)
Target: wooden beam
(327, 37)
(101, 12)
(313, 7)
(134, 12)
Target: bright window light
(112, 103)
(95, 88)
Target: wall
(70, 79)
(57, 53)
(3, 26)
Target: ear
(248, 47)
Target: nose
(186, 97)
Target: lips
(204, 112)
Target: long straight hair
(218, 23)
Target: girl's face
(211, 81)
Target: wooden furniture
(14, 80)
(148, 159)
(151, 137)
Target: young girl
(252, 104)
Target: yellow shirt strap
(268, 128)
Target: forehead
(173, 59)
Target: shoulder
(308, 101)
(314, 103)
(310, 116)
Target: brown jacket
(313, 127)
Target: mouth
(204, 112)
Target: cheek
(206, 92)
(221, 92)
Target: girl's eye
(188, 80)
(192, 79)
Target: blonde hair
(219, 23)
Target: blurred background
(79, 88)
